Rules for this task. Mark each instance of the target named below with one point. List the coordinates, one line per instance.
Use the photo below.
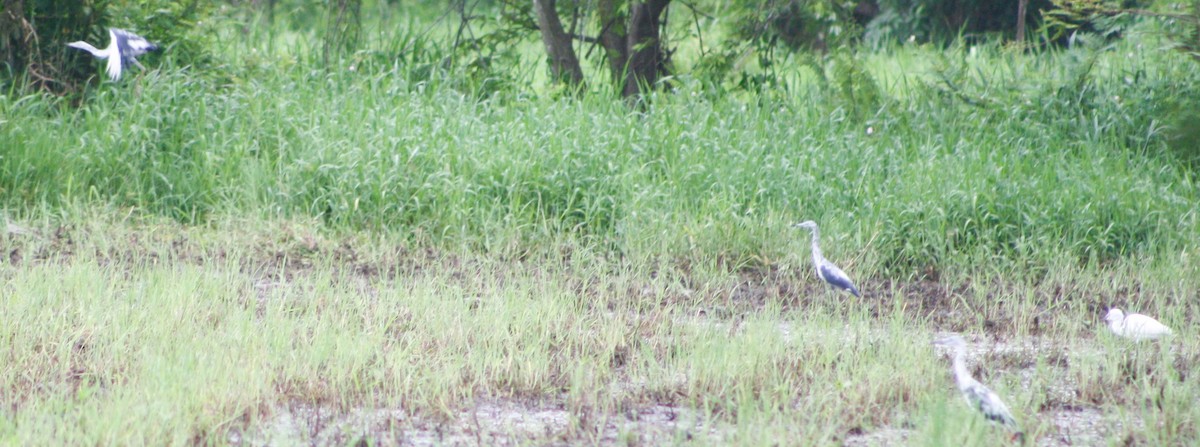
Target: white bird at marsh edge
(826, 270)
(976, 394)
(1135, 326)
(123, 47)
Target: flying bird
(976, 394)
(1135, 326)
(826, 270)
(123, 47)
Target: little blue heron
(826, 270)
(1135, 326)
(976, 394)
(123, 47)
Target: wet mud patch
(881, 437)
(1080, 426)
(1068, 427)
(497, 422)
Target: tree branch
(585, 39)
(564, 65)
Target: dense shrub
(34, 34)
(942, 21)
(797, 24)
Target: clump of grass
(1048, 166)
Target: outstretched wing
(836, 277)
(131, 45)
(113, 68)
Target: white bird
(826, 270)
(976, 394)
(123, 47)
(1135, 326)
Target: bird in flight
(123, 48)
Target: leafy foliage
(35, 51)
(857, 88)
(32, 38)
(943, 21)
(1186, 31)
(1106, 18)
(1109, 17)
(1177, 109)
(821, 25)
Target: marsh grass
(145, 331)
(197, 254)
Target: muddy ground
(549, 422)
(278, 258)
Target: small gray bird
(976, 394)
(826, 270)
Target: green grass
(199, 253)
(1045, 168)
(121, 332)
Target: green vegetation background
(914, 156)
(259, 227)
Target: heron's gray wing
(990, 405)
(130, 44)
(836, 277)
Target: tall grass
(1069, 165)
(1040, 165)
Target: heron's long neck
(89, 48)
(961, 376)
(816, 246)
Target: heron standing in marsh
(1135, 326)
(123, 48)
(826, 270)
(976, 394)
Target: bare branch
(585, 39)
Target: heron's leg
(139, 64)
